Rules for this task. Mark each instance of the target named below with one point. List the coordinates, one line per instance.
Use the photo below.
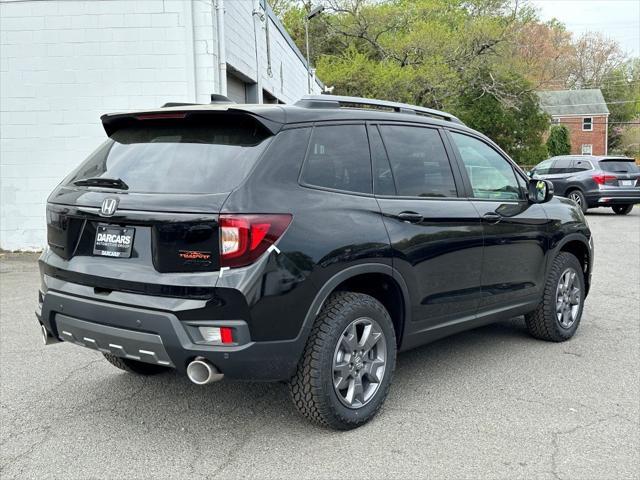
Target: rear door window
(419, 162)
(338, 158)
(581, 165)
(199, 157)
(619, 166)
(561, 165)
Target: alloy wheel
(568, 297)
(359, 362)
(576, 198)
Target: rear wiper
(102, 182)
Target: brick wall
(63, 63)
(597, 137)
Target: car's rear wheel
(578, 197)
(345, 372)
(557, 317)
(622, 209)
(133, 366)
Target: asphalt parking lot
(490, 403)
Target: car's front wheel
(557, 317)
(622, 209)
(345, 372)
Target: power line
(603, 84)
(588, 104)
(578, 122)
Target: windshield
(178, 157)
(619, 166)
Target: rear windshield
(619, 166)
(179, 157)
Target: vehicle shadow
(170, 399)
(608, 212)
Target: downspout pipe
(257, 20)
(222, 47)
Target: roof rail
(338, 101)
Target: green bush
(558, 142)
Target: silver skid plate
(144, 347)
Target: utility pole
(313, 13)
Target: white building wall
(63, 63)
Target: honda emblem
(109, 206)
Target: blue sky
(617, 19)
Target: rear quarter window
(619, 166)
(199, 157)
(338, 158)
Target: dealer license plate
(113, 241)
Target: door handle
(410, 217)
(492, 217)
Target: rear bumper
(603, 198)
(159, 337)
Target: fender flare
(555, 250)
(570, 238)
(573, 186)
(350, 272)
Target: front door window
(491, 176)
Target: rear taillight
(602, 178)
(243, 238)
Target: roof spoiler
(112, 122)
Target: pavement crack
(558, 433)
(237, 448)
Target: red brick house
(585, 114)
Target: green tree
(621, 91)
(558, 142)
(447, 54)
(517, 128)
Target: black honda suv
(306, 243)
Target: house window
(587, 124)
(587, 148)
(555, 121)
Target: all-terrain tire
(133, 366)
(543, 322)
(622, 209)
(312, 386)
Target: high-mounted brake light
(161, 116)
(602, 178)
(243, 238)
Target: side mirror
(540, 191)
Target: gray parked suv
(593, 181)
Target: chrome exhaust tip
(201, 372)
(47, 339)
